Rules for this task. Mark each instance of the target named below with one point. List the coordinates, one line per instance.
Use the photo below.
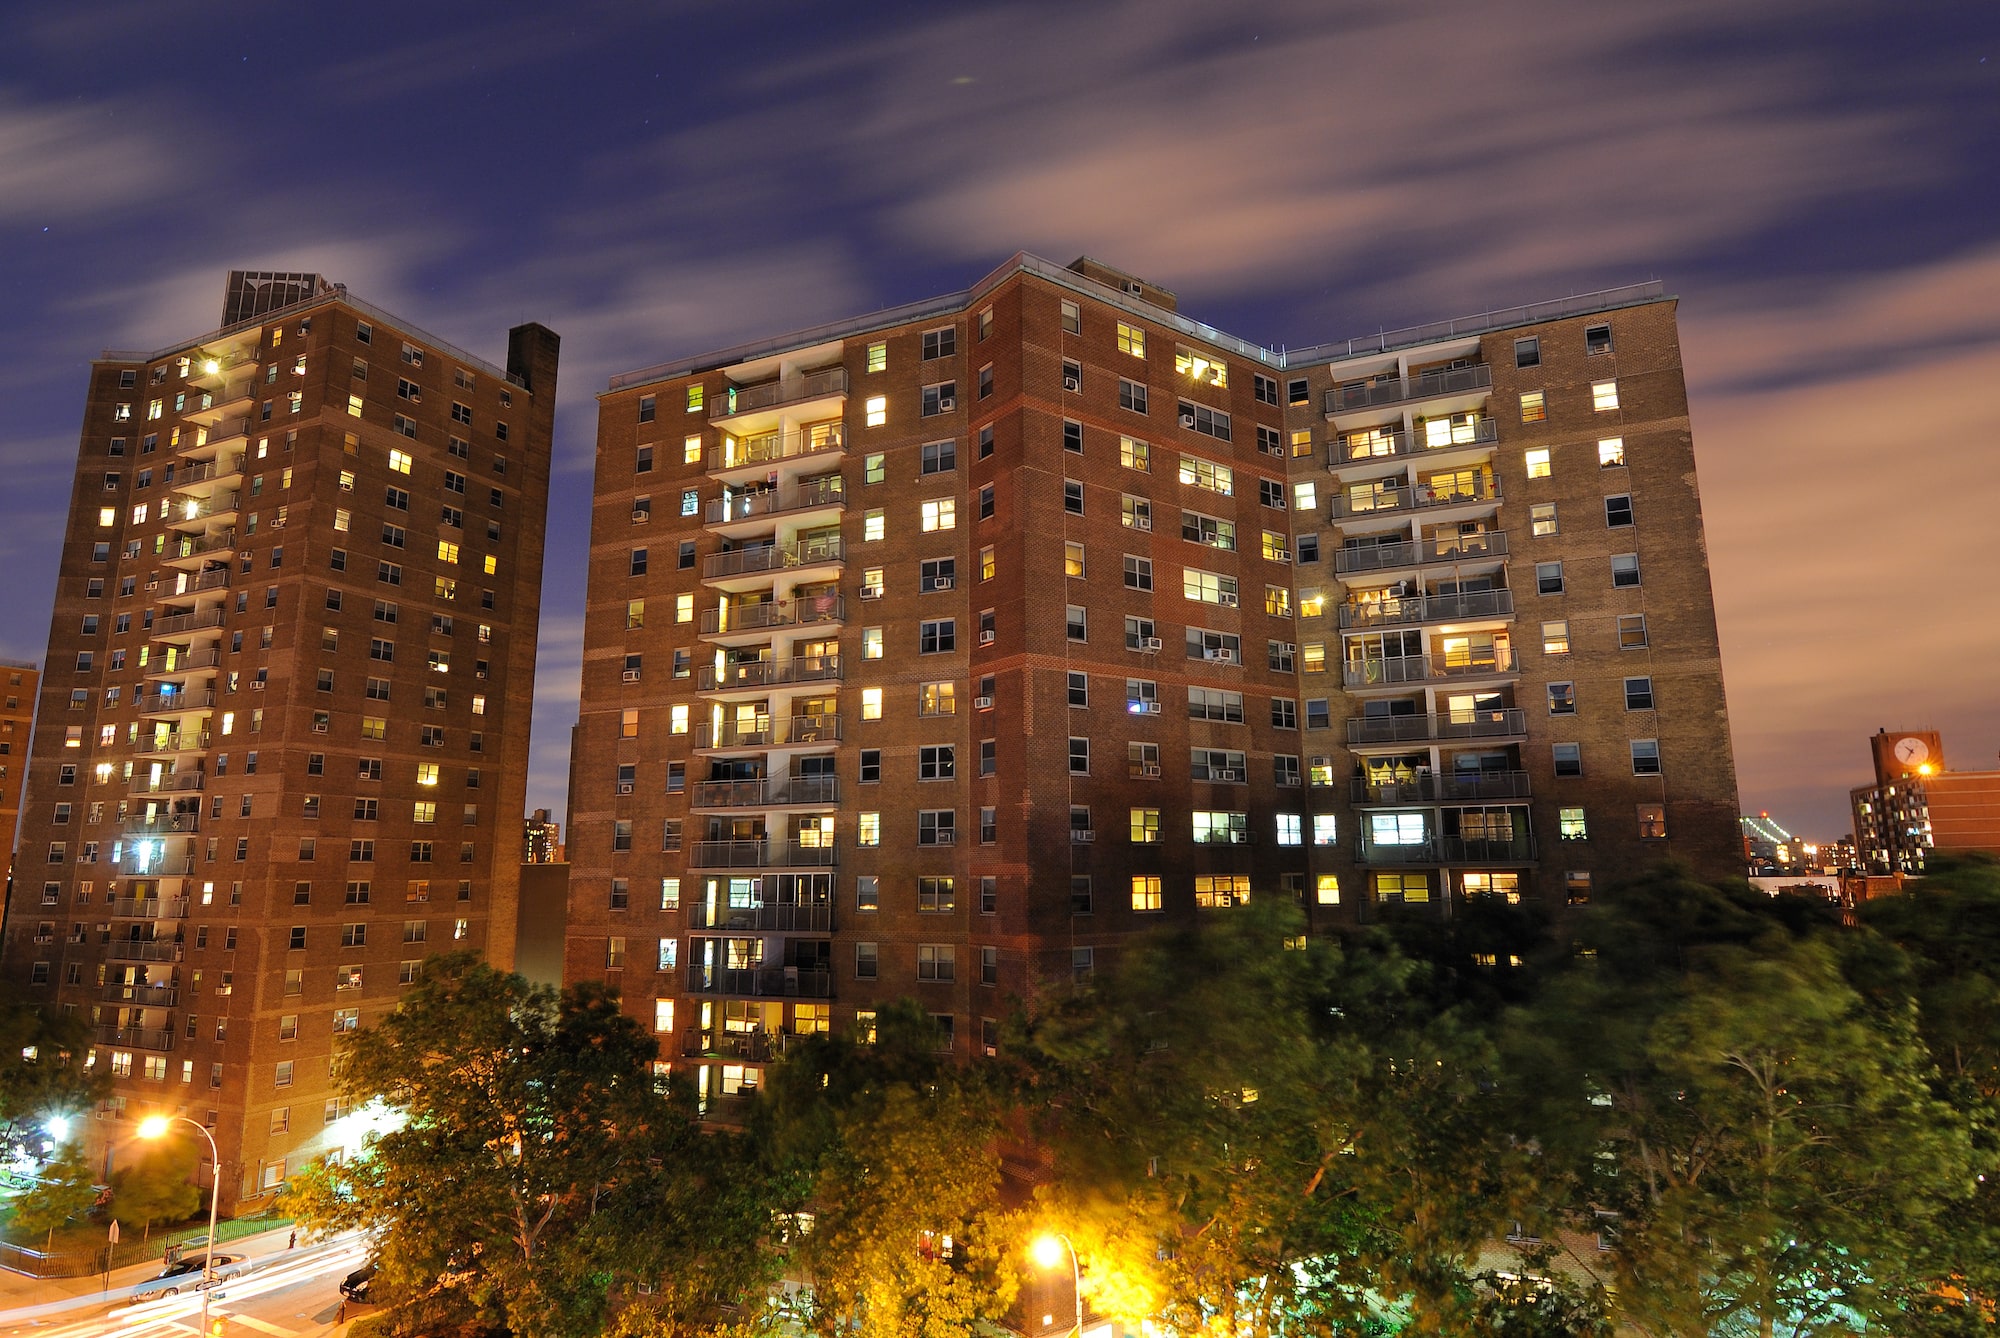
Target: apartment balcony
(1454, 850)
(1407, 611)
(1397, 498)
(741, 623)
(1446, 787)
(189, 551)
(142, 996)
(1358, 675)
(739, 401)
(731, 516)
(143, 950)
(193, 662)
(149, 908)
(796, 792)
(1433, 384)
(138, 1038)
(1357, 450)
(745, 568)
(762, 982)
(766, 732)
(754, 1047)
(188, 741)
(756, 675)
(760, 855)
(181, 624)
(198, 514)
(771, 916)
(166, 824)
(202, 478)
(1377, 730)
(1457, 549)
(232, 397)
(175, 703)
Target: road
(290, 1293)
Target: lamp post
(156, 1126)
(1048, 1252)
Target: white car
(187, 1276)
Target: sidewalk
(20, 1292)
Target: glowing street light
(1047, 1252)
(57, 1127)
(156, 1126)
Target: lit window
(1538, 463)
(868, 829)
(878, 356)
(874, 527)
(941, 514)
(1305, 496)
(1542, 519)
(1145, 892)
(1131, 339)
(1135, 454)
(1200, 367)
(876, 408)
(1533, 409)
(684, 608)
(871, 703)
(1326, 889)
(1072, 558)
(447, 552)
(1571, 825)
(1603, 395)
(399, 461)
(1146, 827)
(1555, 637)
(1611, 452)
(678, 719)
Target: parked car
(185, 1274)
(355, 1286)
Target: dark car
(186, 1275)
(356, 1284)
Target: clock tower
(1910, 753)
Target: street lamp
(156, 1126)
(1047, 1251)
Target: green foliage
(537, 1171)
(42, 1076)
(154, 1182)
(64, 1194)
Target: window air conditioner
(1187, 420)
(1230, 776)
(641, 517)
(1071, 384)
(947, 406)
(946, 838)
(319, 727)
(624, 787)
(941, 583)
(982, 703)
(1226, 600)
(152, 585)
(1152, 708)
(1149, 643)
(986, 638)
(631, 675)
(1142, 523)
(1150, 770)
(1281, 557)
(1082, 834)
(871, 592)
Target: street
(290, 1293)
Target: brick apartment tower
(284, 753)
(929, 654)
(19, 682)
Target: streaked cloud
(60, 163)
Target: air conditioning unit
(1281, 557)
(1150, 770)
(641, 517)
(319, 727)
(1227, 601)
(631, 675)
(1229, 776)
(986, 637)
(871, 592)
(982, 703)
(948, 837)
(1083, 835)
(624, 787)
(152, 585)
(941, 582)
(256, 685)
(947, 406)
(1070, 383)
(1220, 656)
(1135, 287)
(1187, 420)
(1142, 523)
(1149, 643)
(1152, 708)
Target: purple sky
(1815, 180)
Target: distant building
(541, 839)
(1916, 806)
(1770, 850)
(20, 680)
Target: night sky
(1816, 181)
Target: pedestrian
(341, 1316)
(293, 1243)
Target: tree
(156, 1184)
(1763, 1132)
(64, 1194)
(44, 1077)
(530, 1142)
(893, 1167)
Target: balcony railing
(1397, 495)
(1450, 850)
(1353, 448)
(172, 743)
(770, 673)
(223, 466)
(765, 732)
(1395, 390)
(757, 1047)
(769, 395)
(188, 546)
(190, 583)
(167, 666)
(139, 1038)
(783, 917)
(172, 703)
(1426, 668)
(143, 950)
(184, 783)
(142, 996)
(1401, 611)
(799, 790)
(771, 557)
(773, 614)
(1350, 560)
(149, 908)
(806, 496)
(760, 855)
(193, 513)
(1450, 788)
(763, 982)
(1377, 729)
(177, 624)
(166, 824)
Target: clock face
(1911, 751)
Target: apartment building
(1916, 806)
(285, 737)
(21, 679)
(930, 654)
